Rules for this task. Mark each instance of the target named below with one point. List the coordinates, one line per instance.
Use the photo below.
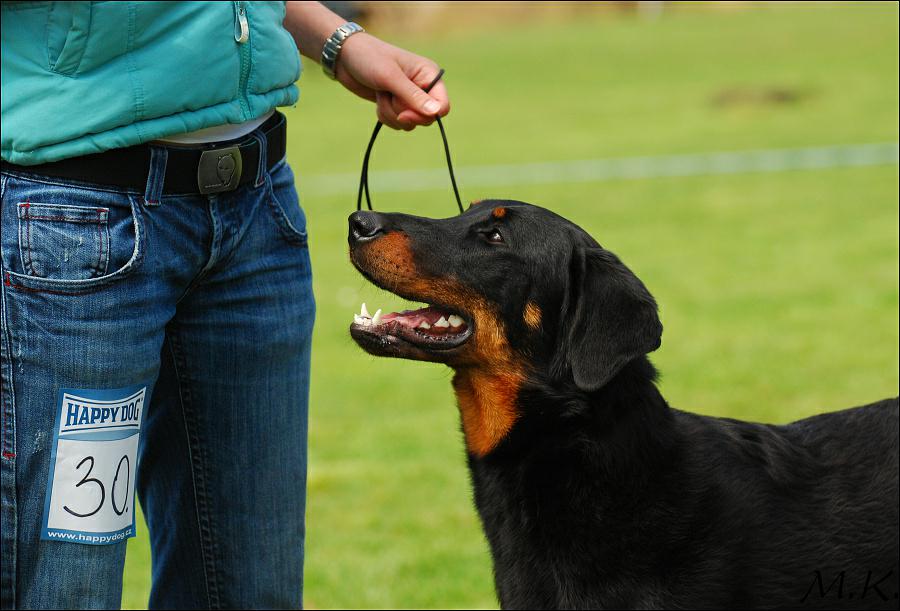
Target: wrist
(334, 44)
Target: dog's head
(514, 291)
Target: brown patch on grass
(761, 96)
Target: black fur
(602, 496)
(616, 500)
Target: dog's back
(808, 511)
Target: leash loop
(364, 174)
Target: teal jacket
(84, 77)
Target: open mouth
(429, 328)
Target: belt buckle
(219, 170)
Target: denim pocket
(71, 239)
(285, 205)
(63, 242)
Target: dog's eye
(493, 236)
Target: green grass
(778, 292)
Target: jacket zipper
(242, 36)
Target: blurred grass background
(778, 291)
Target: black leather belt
(213, 168)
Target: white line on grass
(622, 168)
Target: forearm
(310, 23)
(372, 69)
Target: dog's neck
(627, 414)
(503, 409)
(585, 459)
(487, 400)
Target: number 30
(87, 479)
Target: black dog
(593, 492)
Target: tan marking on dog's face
(532, 315)
(499, 212)
(488, 372)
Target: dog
(592, 491)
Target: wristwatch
(332, 48)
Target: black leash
(364, 175)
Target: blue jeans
(206, 303)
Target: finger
(439, 93)
(422, 72)
(409, 115)
(413, 95)
(386, 114)
(384, 111)
(413, 118)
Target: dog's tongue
(430, 319)
(413, 318)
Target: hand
(392, 78)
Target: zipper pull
(244, 35)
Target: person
(157, 306)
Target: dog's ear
(608, 319)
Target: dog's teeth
(364, 312)
(442, 322)
(424, 325)
(376, 320)
(455, 321)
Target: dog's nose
(365, 226)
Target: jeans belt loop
(263, 167)
(156, 177)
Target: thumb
(414, 96)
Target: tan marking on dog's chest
(487, 406)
